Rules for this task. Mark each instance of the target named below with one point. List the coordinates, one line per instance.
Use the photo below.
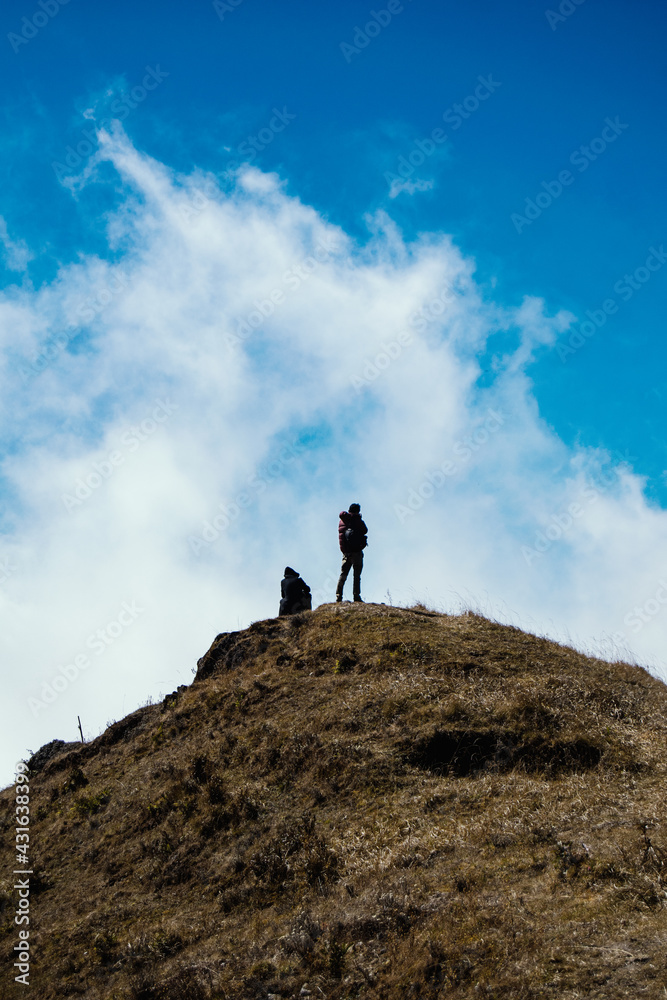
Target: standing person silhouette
(352, 540)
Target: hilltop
(359, 801)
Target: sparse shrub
(216, 790)
(180, 796)
(219, 818)
(185, 805)
(75, 780)
(296, 753)
(262, 970)
(162, 846)
(454, 709)
(143, 949)
(336, 952)
(5, 903)
(434, 803)
(392, 707)
(320, 864)
(105, 945)
(184, 984)
(229, 899)
(641, 876)
(466, 879)
(229, 812)
(296, 621)
(345, 663)
(40, 881)
(202, 769)
(240, 695)
(304, 932)
(88, 805)
(435, 969)
(167, 944)
(213, 700)
(502, 840)
(543, 835)
(244, 806)
(296, 856)
(570, 859)
(534, 712)
(158, 810)
(320, 957)
(270, 865)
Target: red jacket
(348, 520)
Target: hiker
(295, 593)
(352, 540)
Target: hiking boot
(358, 600)
(339, 600)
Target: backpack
(355, 539)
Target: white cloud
(239, 362)
(398, 185)
(16, 252)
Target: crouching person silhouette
(295, 594)
(352, 540)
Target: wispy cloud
(190, 280)
(16, 255)
(398, 186)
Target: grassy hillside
(360, 801)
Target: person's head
(290, 572)
(354, 508)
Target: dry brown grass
(366, 801)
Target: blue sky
(526, 147)
(353, 120)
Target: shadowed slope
(368, 800)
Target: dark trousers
(351, 560)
